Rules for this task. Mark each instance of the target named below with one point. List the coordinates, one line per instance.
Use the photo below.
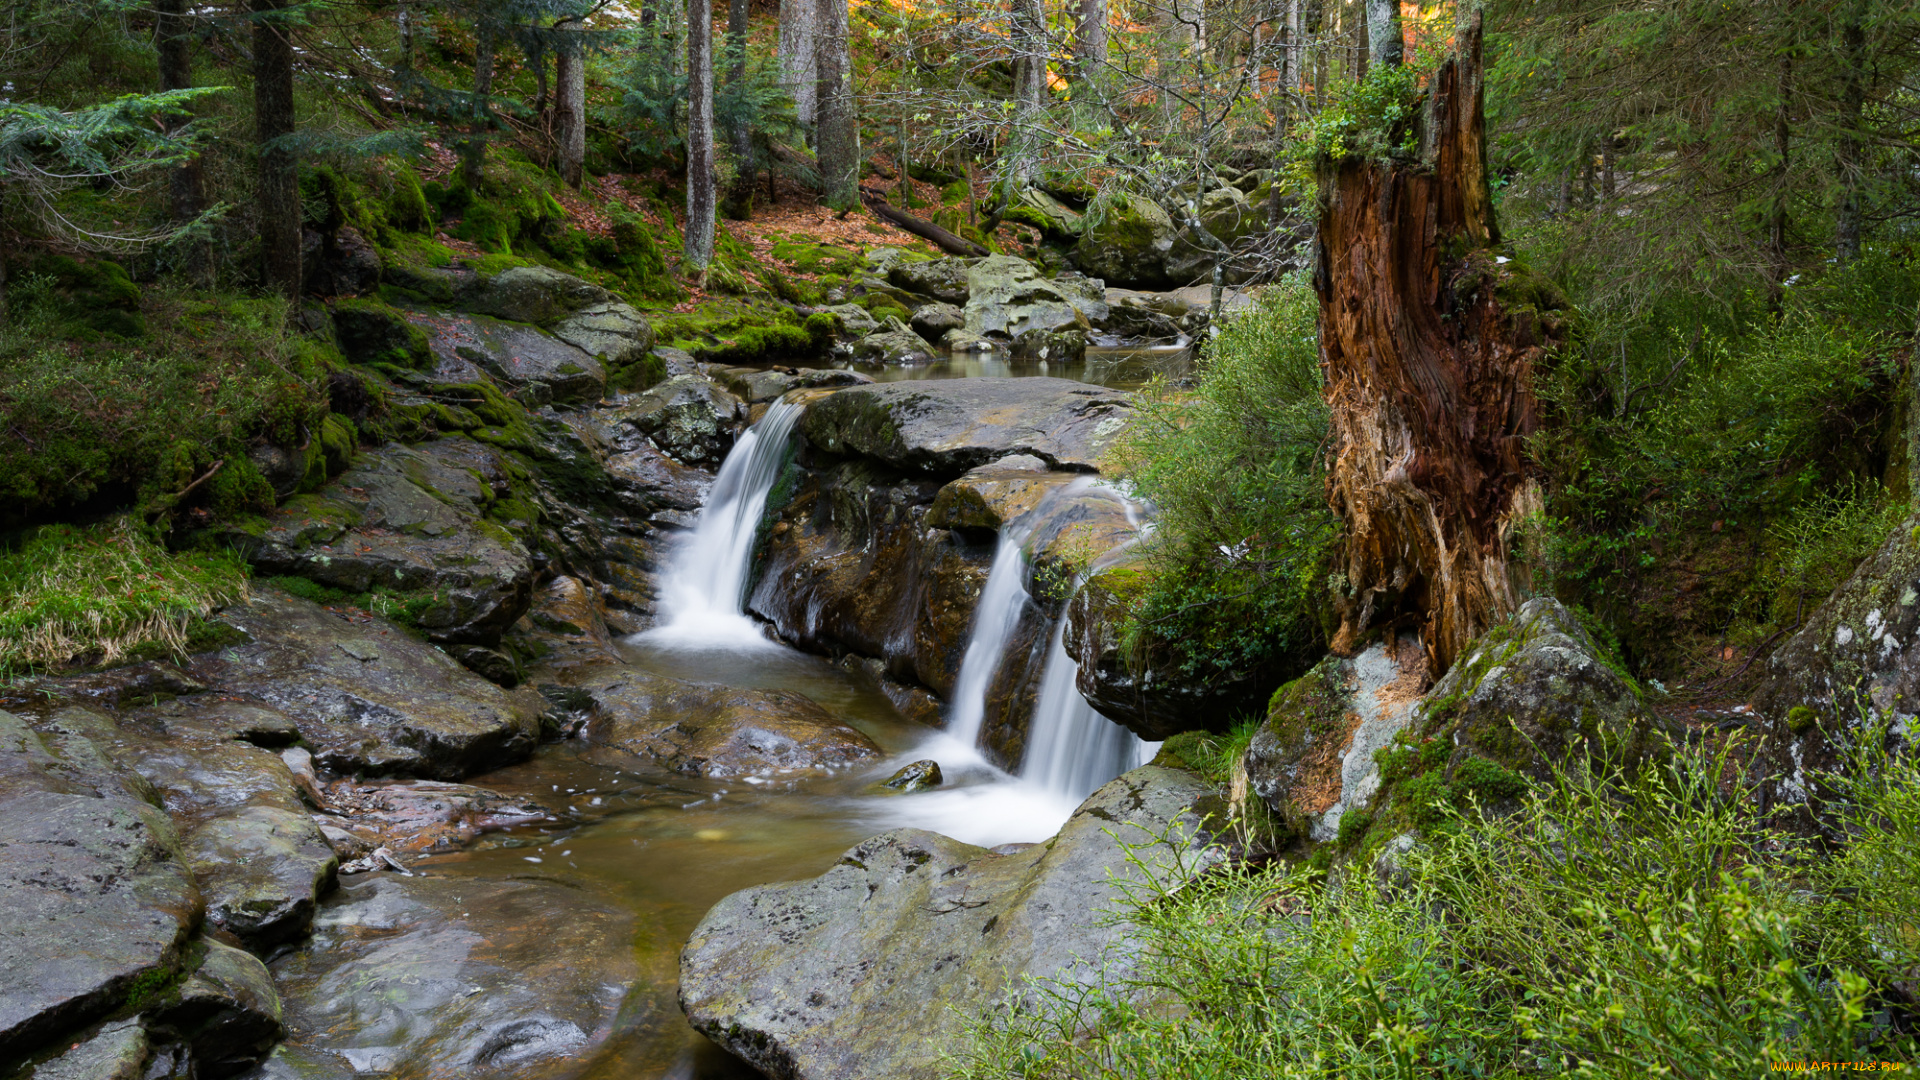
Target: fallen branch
(920, 227)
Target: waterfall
(704, 590)
(1071, 748)
(995, 618)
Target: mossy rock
(370, 332)
(94, 298)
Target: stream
(666, 846)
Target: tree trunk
(1386, 42)
(1847, 152)
(1090, 38)
(1029, 25)
(837, 134)
(739, 132)
(1428, 344)
(926, 230)
(273, 123)
(799, 65)
(403, 20)
(699, 234)
(570, 75)
(473, 150)
(176, 73)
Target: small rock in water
(918, 776)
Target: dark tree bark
(700, 193)
(570, 112)
(175, 46)
(739, 203)
(1848, 151)
(1428, 343)
(836, 127)
(1029, 26)
(273, 123)
(473, 150)
(799, 64)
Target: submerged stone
(919, 776)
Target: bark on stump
(1428, 339)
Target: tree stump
(1428, 338)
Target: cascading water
(704, 590)
(1071, 748)
(995, 618)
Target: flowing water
(667, 847)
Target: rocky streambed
(433, 809)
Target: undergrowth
(99, 593)
(1613, 926)
(1238, 561)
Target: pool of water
(1126, 368)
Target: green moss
(407, 206)
(370, 332)
(1801, 719)
(1353, 828)
(812, 258)
(94, 299)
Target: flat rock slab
(453, 978)
(878, 966)
(368, 699)
(98, 902)
(423, 816)
(519, 356)
(715, 730)
(945, 428)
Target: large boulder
(367, 698)
(934, 321)
(1055, 219)
(611, 330)
(1856, 662)
(1007, 298)
(715, 731)
(453, 976)
(944, 280)
(533, 294)
(894, 345)
(529, 360)
(689, 418)
(945, 428)
(912, 932)
(1126, 244)
(1231, 218)
(99, 902)
(411, 522)
(227, 1012)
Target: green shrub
(94, 594)
(1238, 564)
(1611, 926)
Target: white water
(995, 617)
(1071, 748)
(705, 586)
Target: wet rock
(534, 294)
(408, 520)
(370, 332)
(612, 331)
(1153, 701)
(944, 280)
(215, 718)
(227, 1012)
(918, 776)
(995, 495)
(1854, 663)
(852, 321)
(1007, 297)
(368, 699)
(521, 357)
(1128, 245)
(1055, 219)
(945, 428)
(148, 681)
(755, 387)
(1063, 346)
(453, 976)
(715, 730)
(261, 869)
(961, 341)
(934, 321)
(912, 931)
(1313, 758)
(98, 901)
(417, 817)
(893, 345)
(689, 418)
(117, 1052)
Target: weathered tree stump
(1429, 337)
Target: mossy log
(1428, 341)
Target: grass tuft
(96, 594)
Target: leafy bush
(98, 593)
(1612, 926)
(1233, 469)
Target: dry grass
(93, 595)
